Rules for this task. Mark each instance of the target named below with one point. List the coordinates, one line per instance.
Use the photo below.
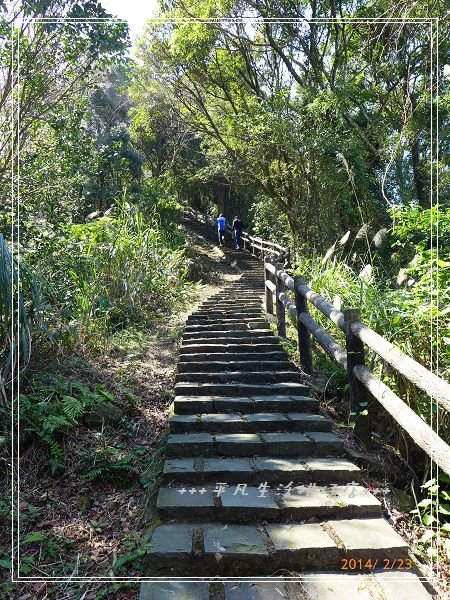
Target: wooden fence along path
(255, 483)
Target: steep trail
(255, 483)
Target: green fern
(55, 423)
(53, 408)
(72, 407)
(96, 473)
(120, 471)
(55, 449)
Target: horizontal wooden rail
(438, 389)
(434, 386)
(417, 429)
(272, 287)
(361, 379)
(327, 342)
(321, 304)
(288, 304)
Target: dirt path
(74, 525)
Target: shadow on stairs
(255, 483)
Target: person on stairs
(237, 226)
(221, 224)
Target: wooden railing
(362, 382)
(251, 243)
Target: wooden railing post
(357, 392)
(281, 313)
(287, 260)
(269, 293)
(304, 337)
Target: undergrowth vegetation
(313, 132)
(400, 278)
(121, 268)
(403, 294)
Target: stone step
(230, 310)
(261, 377)
(195, 388)
(238, 294)
(335, 585)
(309, 443)
(228, 321)
(251, 324)
(243, 289)
(259, 347)
(230, 357)
(256, 471)
(249, 334)
(243, 503)
(248, 423)
(225, 317)
(226, 305)
(219, 366)
(249, 550)
(232, 305)
(206, 314)
(244, 404)
(225, 300)
(237, 286)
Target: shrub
(21, 311)
(120, 269)
(51, 407)
(403, 300)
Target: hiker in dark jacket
(237, 226)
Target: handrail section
(362, 381)
(251, 243)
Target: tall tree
(324, 117)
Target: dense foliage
(329, 121)
(319, 131)
(314, 121)
(97, 250)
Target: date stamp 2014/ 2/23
(386, 564)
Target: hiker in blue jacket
(221, 224)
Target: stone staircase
(255, 482)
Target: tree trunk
(417, 174)
(223, 196)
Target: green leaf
(105, 393)
(5, 563)
(425, 503)
(35, 537)
(429, 533)
(72, 407)
(428, 519)
(429, 483)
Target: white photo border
(433, 22)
